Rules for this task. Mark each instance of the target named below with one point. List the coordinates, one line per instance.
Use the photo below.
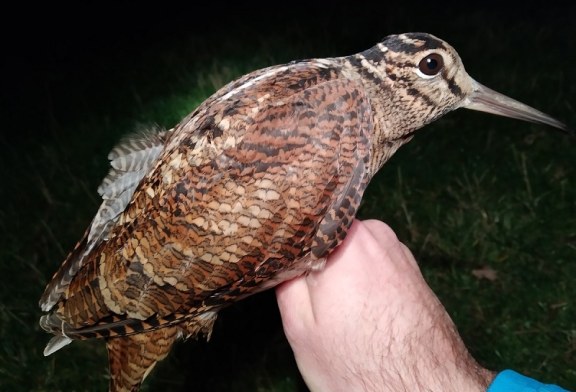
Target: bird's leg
(131, 358)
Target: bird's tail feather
(56, 343)
(133, 357)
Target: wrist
(437, 361)
(466, 375)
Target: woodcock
(258, 185)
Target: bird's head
(424, 78)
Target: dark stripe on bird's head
(420, 95)
(405, 43)
(375, 55)
(454, 88)
(356, 62)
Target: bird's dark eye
(431, 64)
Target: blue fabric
(510, 381)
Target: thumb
(295, 307)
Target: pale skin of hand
(369, 322)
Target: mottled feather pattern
(118, 181)
(250, 190)
(215, 200)
(256, 186)
(63, 276)
(130, 160)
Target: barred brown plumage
(258, 185)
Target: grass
(471, 191)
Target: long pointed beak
(487, 100)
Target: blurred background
(487, 204)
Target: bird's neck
(390, 129)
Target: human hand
(369, 322)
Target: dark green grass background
(470, 191)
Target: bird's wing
(265, 178)
(130, 161)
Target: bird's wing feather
(130, 161)
(264, 179)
